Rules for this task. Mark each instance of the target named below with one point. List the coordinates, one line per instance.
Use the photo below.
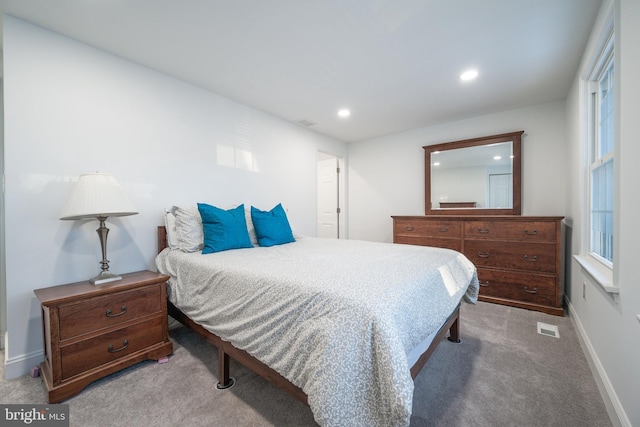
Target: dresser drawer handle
(532, 259)
(408, 228)
(531, 233)
(123, 310)
(483, 230)
(485, 283)
(443, 229)
(484, 254)
(530, 291)
(125, 344)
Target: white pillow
(170, 226)
(250, 228)
(190, 237)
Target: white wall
(463, 184)
(72, 109)
(386, 174)
(609, 328)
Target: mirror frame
(516, 209)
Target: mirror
(474, 176)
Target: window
(601, 157)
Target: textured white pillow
(250, 228)
(190, 237)
(170, 226)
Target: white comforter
(335, 317)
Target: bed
(343, 326)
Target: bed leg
(224, 380)
(454, 331)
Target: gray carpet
(502, 374)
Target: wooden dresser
(519, 258)
(91, 331)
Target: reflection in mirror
(480, 175)
(473, 177)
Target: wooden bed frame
(226, 350)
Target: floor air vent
(548, 330)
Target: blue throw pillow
(222, 229)
(272, 227)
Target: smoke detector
(305, 122)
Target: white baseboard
(21, 365)
(614, 408)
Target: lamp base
(104, 277)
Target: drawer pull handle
(408, 228)
(123, 310)
(532, 259)
(125, 344)
(483, 230)
(443, 229)
(486, 283)
(531, 233)
(484, 254)
(530, 291)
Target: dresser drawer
(530, 231)
(536, 257)
(88, 354)
(438, 229)
(532, 288)
(455, 244)
(109, 310)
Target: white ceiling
(393, 63)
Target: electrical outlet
(584, 290)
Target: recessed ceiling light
(436, 164)
(497, 157)
(469, 75)
(344, 113)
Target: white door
(328, 214)
(500, 191)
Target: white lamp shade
(95, 195)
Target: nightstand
(91, 331)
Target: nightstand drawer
(85, 355)
(110, 310)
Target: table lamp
(98, 196)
